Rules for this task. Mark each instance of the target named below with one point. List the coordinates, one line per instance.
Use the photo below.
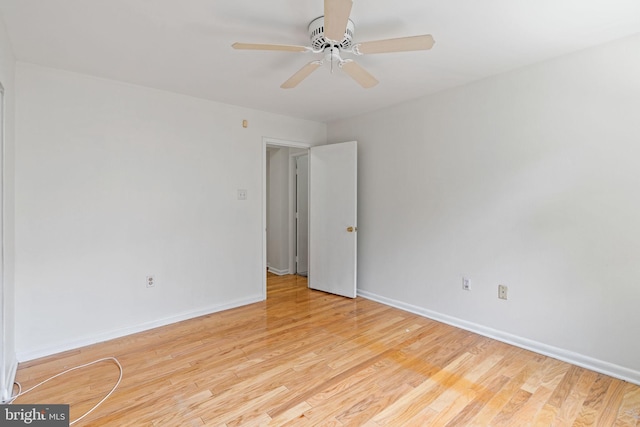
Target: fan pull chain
(332, 60)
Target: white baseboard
(578, 359)
(278, 272)
(7, 388)
(117, 333)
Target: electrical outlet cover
(502, 291)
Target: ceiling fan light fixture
(319, 42)
(332, 54)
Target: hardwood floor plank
(546, 417)
(376, 400)
(458, 396)
(566, 385)
(506, 416)
(496, 404)
(594, 401)
(307, 358)
(534, 404)
(252, 412)
(464, 385)
(548, 375)
(612, 401)
(412, 402)
(570, 408)
(471, 410)
(291, 417)
(629, 411)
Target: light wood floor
(309, 358)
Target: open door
(332, 218)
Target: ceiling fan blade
(402, 44)
(301, 74)
(359, 74)
(336, 16)
(279, 47)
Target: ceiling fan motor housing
(319, 42)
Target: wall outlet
(502, 291)
(466, 284)
(151, 282)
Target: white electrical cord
(113, 359)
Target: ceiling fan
(332, 34)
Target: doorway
(333, 209)
(285, 212)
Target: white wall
(528, 179)
(8, 362)
(115, 182)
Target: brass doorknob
(352, 229)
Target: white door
(332, 218)
(302, 215)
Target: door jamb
(282, 143)
(293, 192)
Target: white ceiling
(184, 46)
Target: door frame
(280, 143)
(293, 200)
